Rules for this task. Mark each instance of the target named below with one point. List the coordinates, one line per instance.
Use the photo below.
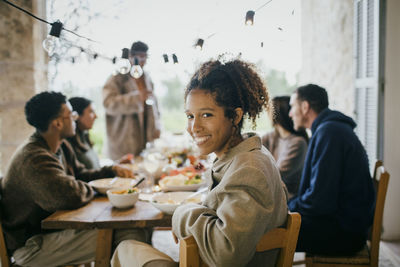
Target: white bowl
(168, 202)
(102, 185)
(122, 200)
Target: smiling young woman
(246, 197)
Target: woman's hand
(122, 171)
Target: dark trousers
(325, 236)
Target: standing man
(132, 115)
(44, 176)
(336, 195)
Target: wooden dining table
(99, 214)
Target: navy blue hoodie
(336, 183)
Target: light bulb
(136, 71)
(50, 44)
(123, 65)
(249, 22)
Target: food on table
(184, 176)
(125, 191)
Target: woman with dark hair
(81, 142)
(246, 197)
(288, 146)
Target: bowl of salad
(122, 197)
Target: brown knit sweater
(38, 183)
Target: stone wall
(23, 71)
(327, 49)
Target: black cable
(42, 20)
(263, 5)
(27, 12)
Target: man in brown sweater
(44, 176)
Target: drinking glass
(150, 165)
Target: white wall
(391, 219)
(327, 50)
(327, 56)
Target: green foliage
(277, 83)
(175, 93)
(172, 115)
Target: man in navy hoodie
(336, 195)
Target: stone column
(23, 71)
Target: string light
(175, 59)
(123, 64)
(199, 44)
(51, 43)
(136, 70)
(166, 60)
(250, 17)
(250, 14)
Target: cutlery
(113, 181)
(141, 180)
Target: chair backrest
(4, 259)
(283, 238)
(381, 181)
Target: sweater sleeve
(228, 235)
(292, 160)
(117, 103)
(326, 166)
(50, 187)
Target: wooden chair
(369, 256)
(5, 260)
(283, 238)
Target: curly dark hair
(42, 108)
(138, 47)
(234, 84)
(79, 104)
(315, 95)
(281, 108)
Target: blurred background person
(132, 115)
(288, 146)
(81, 142)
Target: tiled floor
(389, 254)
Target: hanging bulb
(175, 59)
(250, 17)
(166, 60)
(123, 64)
(51, 42)
(136, 70)
(199, 44)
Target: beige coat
(128, 129)
(246, 199)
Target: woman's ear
(238, 116)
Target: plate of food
(102, 185)
(183, 179)
(181, 182)
(168, 202)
